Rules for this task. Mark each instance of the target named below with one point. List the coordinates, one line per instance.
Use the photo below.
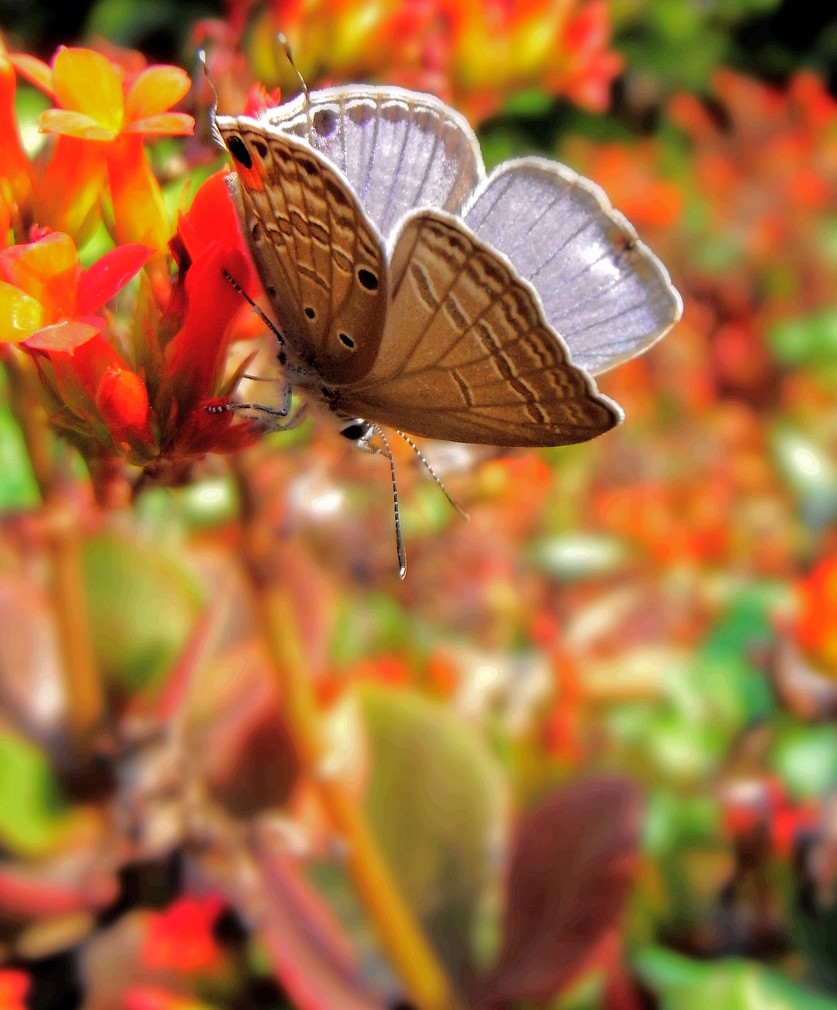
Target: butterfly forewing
(467, 354)
(399, 150)
(604, 291)
(321, 261)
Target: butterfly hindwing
(321, 261)
(467, 354)
(601, 288)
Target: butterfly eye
(310, 312)
(356, 430)
(238, 149)
(367, 279)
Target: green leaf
(366, 626)
(731, 984)
(32, 812)
(435, 799)
(806, 758)
(143, 604)
(806, 340)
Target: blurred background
(615, 685)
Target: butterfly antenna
(399, 540)
(425, 462)
(274, 329)
(282, 39)
(213, 108)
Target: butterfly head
(358, 431)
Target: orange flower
(97, 101)
(472, 54)
(816, 623)
(102, 115)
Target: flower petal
(87, 82)
(212, 220)
(20, 314)
(203, 431)
(74, 124)
(64, 337)
(196, 355)
(171, 124)
(34, 70)
(154, 90)
(71, 185)
(47, 270)
(110, 274)
(138, 209)
(16, 184)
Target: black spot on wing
(238, 149)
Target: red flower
(46, 305)
(155, 406)
(153, 997)
(203, 308)
(14, 988)
(15, 171)
(180, 937)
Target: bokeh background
(593, 731)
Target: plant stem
(85, 700)
(406, 945)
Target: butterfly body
(413, 291)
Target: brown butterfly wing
(466, 353)
(320, 259)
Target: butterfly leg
(282, 411)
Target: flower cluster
(473, 55)
(133, 383)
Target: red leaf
(570, 875)
(108, 275)
(309, 952)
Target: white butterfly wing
(400, 150)
(602, 289)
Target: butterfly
(413, 290)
